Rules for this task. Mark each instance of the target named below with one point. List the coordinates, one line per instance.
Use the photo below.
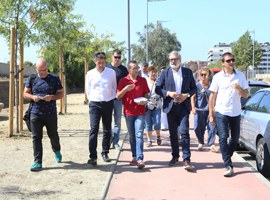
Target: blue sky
(198, 24)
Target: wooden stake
(11, 80)
(21, 86)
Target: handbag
(26, 117)
(27, 113)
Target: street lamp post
(147, 39)
(253, 51)
(128, 13)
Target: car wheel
(263, 158)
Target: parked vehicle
(255, 129)
(254, 86)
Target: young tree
(243, 52)
(160, 43)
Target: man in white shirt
(100, 90)
(226, 88)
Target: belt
(101, 102)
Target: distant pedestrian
(43, 92)
(101, 90)
(200, 110)
(129, 89)
(121, 71)
(176, 85)
(143, 72)
(227, 88)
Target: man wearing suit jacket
(176, 85)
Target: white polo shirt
(100, 86)
(228, 99)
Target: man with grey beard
(176, 85)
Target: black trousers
(98, 110)
(37, 124)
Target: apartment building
(215, 52)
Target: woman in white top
(153, 108)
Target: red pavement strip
(206, 181)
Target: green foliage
(243, 52)
(27, 64)
(215, 65)
(160, 43)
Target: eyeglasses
(230, 60)
(174, 59)
(42, 70)
(101, 57)
(117, 57)
(203, 75)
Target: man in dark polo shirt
(43, 93)
(121, 71)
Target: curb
(109, 178)
(261, 178)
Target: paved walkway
(205, 181)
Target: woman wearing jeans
(153, 109)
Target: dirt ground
(71, 179)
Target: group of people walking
(113, 87)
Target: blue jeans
(117, 114)
(224, 123)
(201, 121)
(98, 110)
(135, 126)
(37, 124)
(178, 119)
(152, 120)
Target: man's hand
(130, 87)
(37, 98)
(212, 119)
(48, 98)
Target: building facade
(215, 53)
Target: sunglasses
(203, 75)
(117, 57)
(100, 53)
(230, 60)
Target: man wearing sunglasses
(100, 85)
(121, 71)
(227, 87)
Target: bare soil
(71, 179)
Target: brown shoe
(173, 161)
(140, 164)
(186, 165)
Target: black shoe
(173, 161)
(92, 162)
(106, 158)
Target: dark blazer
(166, 83)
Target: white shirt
(178, 78)
(228, 99)
(100, 86)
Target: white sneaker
(200, 147)
(228, 171)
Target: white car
(255, 129)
